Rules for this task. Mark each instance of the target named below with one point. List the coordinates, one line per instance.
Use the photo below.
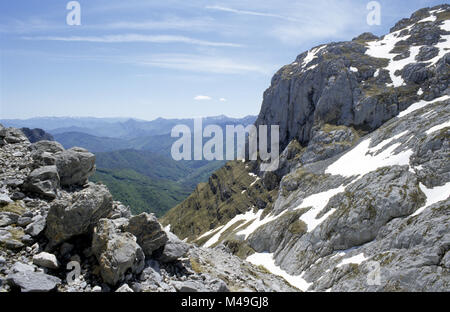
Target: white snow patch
(317, 201)
(360, 160)
(446, 25)
(267, 261)
(420, 92)
(430, 18)
(382, 48)
(209, 232)
(312, 54)
(377, 72)
(243, 191)
(252, 174)
(387, 141)
(434, 195)
(249, 215)
(358, 259)
(354, 69)
(439, 127)
(420, 105)
(256, 180)
(258, 222)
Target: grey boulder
(148, 231)
(173, 249)
(8, 218)
(75, 166)
(19, 267)
(5, 199)
(37, 226)
(51, 147)
(116, 252)
(46, 260)
(68, 219)
(33, 281)
(189, 286)
(43, 181)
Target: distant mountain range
(133, 156)
(116, 127)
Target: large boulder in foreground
(79, 216)
(43, 181)
(148, 231)
(116, 252)
(75, 166)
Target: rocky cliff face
(59, 232)
(362, 83)
(361, 199)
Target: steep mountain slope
(360, 201)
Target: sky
(169, 58)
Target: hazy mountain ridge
(117, 127)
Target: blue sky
(171, 59)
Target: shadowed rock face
(36, 135)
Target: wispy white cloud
(203, 63)
(203, 98)
(253, 13)
(17, 26)
(177, 23)
(222, 99)
(128, 38)
(192, 64)
(321, 19)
